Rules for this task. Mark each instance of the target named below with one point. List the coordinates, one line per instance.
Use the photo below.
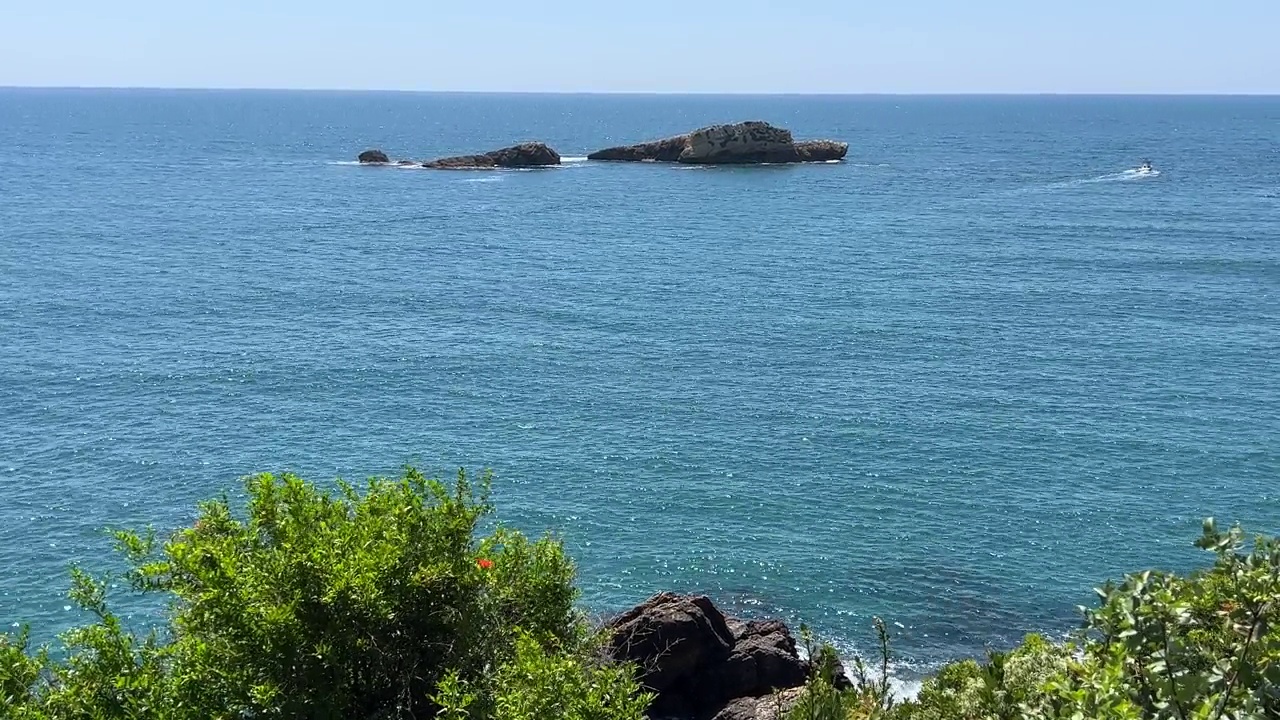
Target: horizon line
(674, 93)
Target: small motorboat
(1145, 168)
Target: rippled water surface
(955, 380)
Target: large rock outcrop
(702, 665)
(746, 142)
(373, 157)
(743, 143)
(533, 154)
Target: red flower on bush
(484, 563)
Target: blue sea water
(956, 380)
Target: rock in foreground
(532, 154)
(377, 157)
(702, 665)
(774, 706)
(743, 143)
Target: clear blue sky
(893, 46)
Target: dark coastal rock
(763, 658)
(672, 638)
(406, 162)
(745, 143)
(374, 157)
(533, 154)
(665, 150)
(701, 664)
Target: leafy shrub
(1009, 685)
(19, 672)
(821, 699)
(539, 684)
(385, 604)
(1016, 681)
(357, 604)
(957, 692)
(825, 697)
(336, 607)
(1202, 646)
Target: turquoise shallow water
(956, 380)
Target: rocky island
(374, 157)
(744, 143)
(524, 155)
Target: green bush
(1202, 646)
(540, 684)
(387, 603)
(316, 605)
(824, 698)
(821, 699)
(19, 672)
(957, 692)
(1008, 686)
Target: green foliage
(335, 607)
(385, 603)
(1205, 646)
(19, 672)
(1009, 685)
(825, 698)
(539, 684)
(1160, 646)
(357, 604)
(821, 699)
(109, 672)
(1015, 682)
(957, 692)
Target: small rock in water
(374, 157)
